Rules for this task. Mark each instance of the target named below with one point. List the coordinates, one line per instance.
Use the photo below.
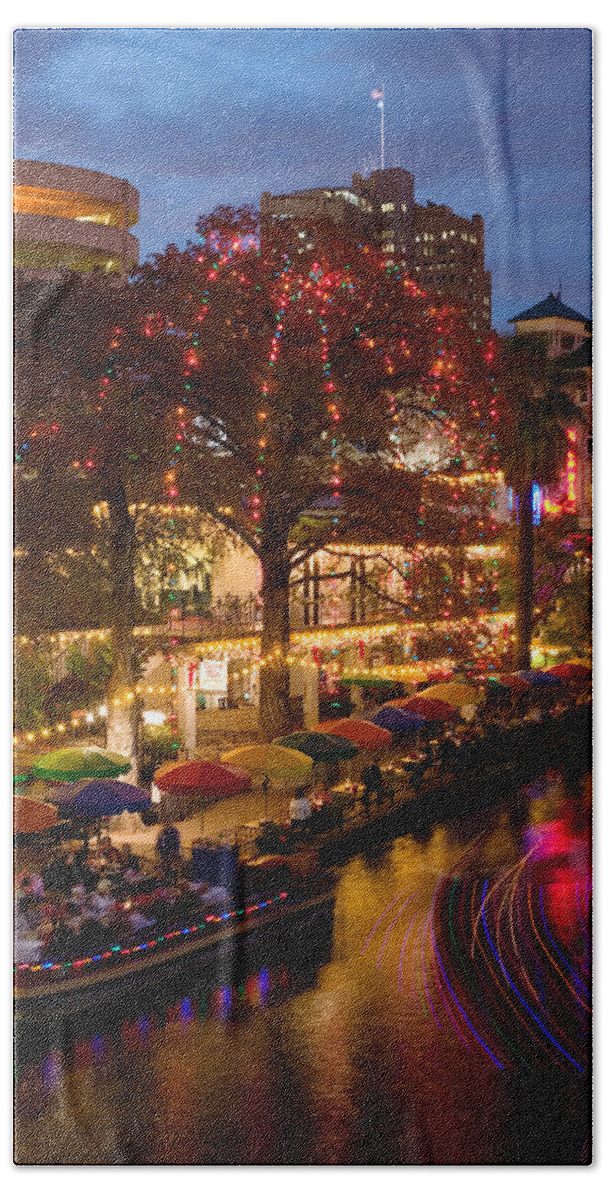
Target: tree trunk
(124, 717)
(524, 581)
(274, 675)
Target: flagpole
(381, 106)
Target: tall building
(69, 218)
(568, 340)
(443, 252)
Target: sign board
(213, 675)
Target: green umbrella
(321, 747)
(70, 765)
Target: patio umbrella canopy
(95, 798)
(32, 816)
(398, 720)
(266, 758)
(539, 678)
(202, 778)
(321, 747)
(456, 694)
(494, 687)
(432, 710)
(515, 683)
(69, 765)
(364, 734)
(571, 672)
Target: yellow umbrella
(276, 762)
(457, 694)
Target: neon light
(210, 917)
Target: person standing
(168, 845)
(373, 783)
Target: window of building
(388, 207)
(389, 248)
(417, 239)
(388, 233)
(444, 235)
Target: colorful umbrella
(364, 734)
(275, 762)
(32, 816)
(571, 672)
(398, 720)
(197, 777)
(494, 687)
(72, 764)
(539, 678)
(95, 798)
(433, 710)
(456, 694)
(321, 747)
(514, 682)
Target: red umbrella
(514, 682)
(571, 672)
(432, 710)
(32, 816)
(200, 778)
(365, 735)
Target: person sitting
(299, 809)
(102, 902)
(213, 897)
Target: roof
(551, 307)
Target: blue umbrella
(96, 798)
(539, 678)
(398, 720)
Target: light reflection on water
(428, 1023)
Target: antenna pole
(381, 107)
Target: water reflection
(444, 1017)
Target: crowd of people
(84, 901)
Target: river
(439, 1015)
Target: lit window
(417, 239)
(404, 208)
(389, 207)
(452, 233)
(444, 234)
(389, 248)
(388, 233)
(301, 235)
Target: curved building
(69, 218)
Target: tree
(297, 370)
(89, 429)
(533, 450)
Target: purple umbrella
(94, 798)
(539, 678)
(398, 720)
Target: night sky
(489, 121)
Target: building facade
(70, 218)
(443, 252)
(567, 337)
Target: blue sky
(489, 121)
